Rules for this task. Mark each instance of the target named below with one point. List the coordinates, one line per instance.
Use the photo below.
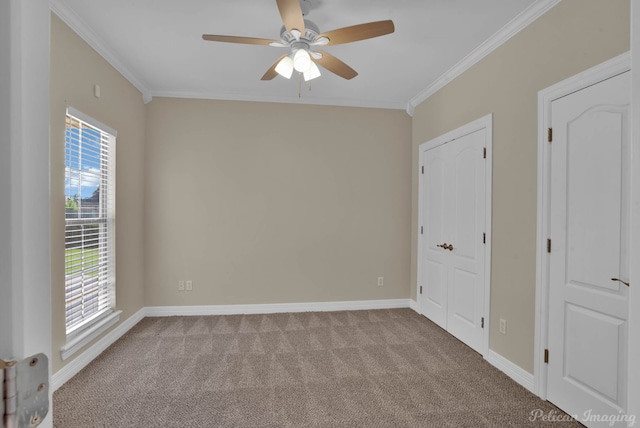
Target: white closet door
(435, 261)
(452, 247)
(466, 270)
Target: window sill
(80, 340)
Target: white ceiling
(158, 46)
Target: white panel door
(589, 226)
(452, 246)
(465, 234)
(435, 261)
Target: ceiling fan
(302, 36)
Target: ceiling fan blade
(291, 14)
(271, 72)
(336, 66)
(358, 32)
(236, 39)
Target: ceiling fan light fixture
(312, 72)
(285, 67)
(321, 41)
(301, 60)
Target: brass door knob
(445, 246)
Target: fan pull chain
(299, 85)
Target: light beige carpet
(378, 368)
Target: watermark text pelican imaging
(588, 416)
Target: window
(89, 225)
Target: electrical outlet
(503, 326)
(380, 281)
(189, 286)
(181, 285)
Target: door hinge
(484, 153)
(423, 169)
(550, 134)
(548, 245)
(25, 396)
(482, 322)
(546, 356)
(484, 238)
(421, 230)
(421, 289)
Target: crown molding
(229, 96)
(517, 24)
(69, 17)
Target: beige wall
(275, 203)
(75, 68)
(573, 36)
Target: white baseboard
(73, 367)
(164, 311)
(84, 337)
(515, 372)
(58, 379)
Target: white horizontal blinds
(89, 222)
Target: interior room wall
(75, 68)
(571, 37)
(261, 203)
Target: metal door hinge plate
(25, 392)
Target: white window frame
(82, 332)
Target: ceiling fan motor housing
(310, 34)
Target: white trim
(524, 19)
(25, 220)
(82, 338)
(512, 370)
(230, 96)
(69, 17)
(164, 311)
(414, 305)
(486, 123)
(91, 121)
(521, 21)
(633, 401)
(596, 74)
(72, 368)
(84, 31)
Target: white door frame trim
(606, 70)
(485, 122)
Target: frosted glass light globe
(301, 60)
